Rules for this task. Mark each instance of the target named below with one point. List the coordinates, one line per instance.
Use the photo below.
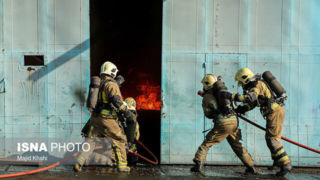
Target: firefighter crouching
(132, 130)
(104, 120)
(225, 125)
(261, 92)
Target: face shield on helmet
(131, 103)
(243, 76)
(208, 81)
(109, 68)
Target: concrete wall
(47, 102)
(221, 36)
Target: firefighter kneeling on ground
(225, 125)
(259, 92)
(132, 130)
(104, 120)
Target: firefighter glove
(128, 116)
(241, 109)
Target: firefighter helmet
(131, 103)
(243, 76)
(208, 81)
(109, 68)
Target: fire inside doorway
(128, 33)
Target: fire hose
(144, 158)
(155, 162)
(284, 138)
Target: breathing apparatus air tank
(93, 92)
(224, 103)
(274, 84)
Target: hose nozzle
(200, 93)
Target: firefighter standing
(258, 93)
(104, 121)
(225, 125)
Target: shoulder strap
(271, 91)
(101, 88)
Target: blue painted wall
(47, 102)
(221, 36)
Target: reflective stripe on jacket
(109, 89)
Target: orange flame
(149, 98)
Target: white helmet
(109, 68)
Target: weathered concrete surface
(162, 172)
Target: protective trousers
(273, 136)
(220, 131)
(96, 157)
(109, 127)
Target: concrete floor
(161, 172)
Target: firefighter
(104, 122)
(258, 93)
(225, 125)
(132, 130)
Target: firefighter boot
(198, 167)
(251, 170)
(284, 169)
(123, 169)
(274, 165)
(77, 167)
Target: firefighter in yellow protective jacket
(258, 93)
(132, 130)
(225, 125)
(104, 121)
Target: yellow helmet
(131, 103)
(109, 68)
(243, 76)
(208, 81)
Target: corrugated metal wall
(225, 35)
(47, 102)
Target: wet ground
(161, 172)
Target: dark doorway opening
(128, 33)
